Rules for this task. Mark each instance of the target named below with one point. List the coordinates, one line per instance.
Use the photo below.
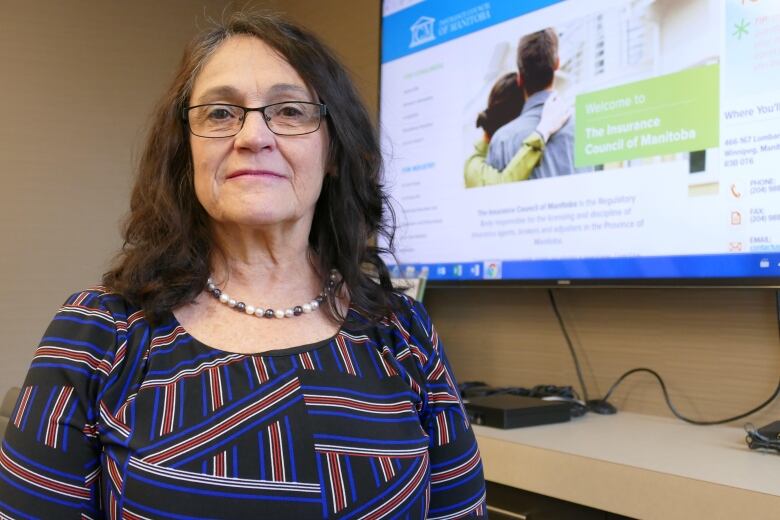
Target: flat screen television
(668, 170)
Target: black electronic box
(514, 411)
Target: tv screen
(581, 141)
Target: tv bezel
(755, 282)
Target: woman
(505, 103)
(241, 360)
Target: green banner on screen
(669, 114)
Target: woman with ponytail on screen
(505, 103)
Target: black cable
(678, 414)
(777, 308)
(674, 411)
(755, 439)
(569, 343)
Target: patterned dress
(121, 418)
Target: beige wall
(78, 82)
(717, 349)
(66, 186)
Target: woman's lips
(255, 173)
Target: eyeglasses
(286, 118)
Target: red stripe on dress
(113, 506)
(169, 407)
(237, 418)
(388, 470)
(219, 462)
(53, 427)
(458, 471)
(276, 446)
(63, 353)
(23, 402)
(306, 360)
(260, 369)
(344, 351)
(355, 404)
(401, 496)
(437, 372)
(443, 431)
(389, 370)
(129, 515)
(215, 381)
(80, 299)
(394, 319)
(137, 315)
(415, 387)
(336, 482)
(114, 474)
(168, 338)
(121, 414)
(41, 481)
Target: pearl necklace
(260, 312)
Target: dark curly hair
(165, 259)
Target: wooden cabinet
(508, 503)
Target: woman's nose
(255, 133)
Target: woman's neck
(265, 266)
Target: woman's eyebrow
(275, 91)
(289, 89)
(219, 92)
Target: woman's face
(256, 178)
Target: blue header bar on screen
(731, 265)
(434, 22)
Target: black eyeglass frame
(185, 117)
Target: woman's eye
(290, 111)
(219, 114)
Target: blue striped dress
(120, 418)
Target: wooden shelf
(637, 465)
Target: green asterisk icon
(741, 29)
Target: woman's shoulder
(87, 339)
(100, 313)
(408, 306)
(100, 303)
(409, 336)
(400, 306)
(409, 322)
(405, 317)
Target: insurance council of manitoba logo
(422, 31)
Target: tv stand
(637, 465)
